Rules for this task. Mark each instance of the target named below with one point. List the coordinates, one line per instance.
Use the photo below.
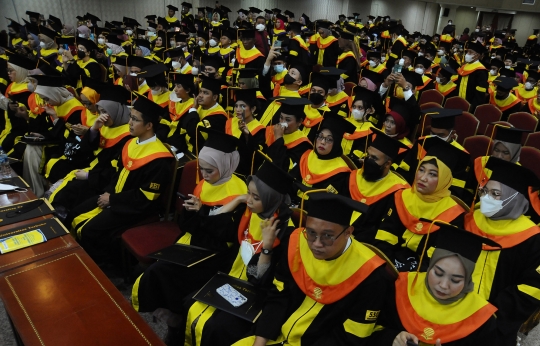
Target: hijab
(58, 95)
(401, 126)
(443, 184)
(251, 83)
(336, 150)
(370, 85)
(121, 68)
(280, 25)
(90, 94)
(468, 265)
(69, 30)
(49, 42)
(516, 205)
(145, 51)
(118, 112)
(22, 73)
(116, 49)
(270, 198)
(513, 148)
(36, 41)
(327, 32)
(226, 163)
(83, 29)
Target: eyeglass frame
(333, 238)
(484, 190)
(327, 139)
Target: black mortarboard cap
(443, 118)
(247, 33)
(174, 8)
(423, 61)
(412, 77)
(13, 24)
(289, 13)
(477, 47)
(254, 10)
(114, 40)
(214, 61)
(50, 81)
(140, 31)
(247, 72)
(341, 209)
(460, 241)
(282, 17)
(338, 125)
(92, 18)
(293, 105)
(31, 28)
(139, 61)
(505, 83)
(322, 81)
(47, 68)
(268, 11)
(246, 95)
(386, 144)
(507, 73)
(454, 158)
(163, 22)
(496, 62)
(447, 71)
(374, 54)
(295, 26)
(534, 75)
(324, 24)
(346, 35)
(276, 10)
(515, 176)
(410, 54)
(509, 134)
(219, 140)
(116, 93)
(88, 44)
(225, 10)
(142, 43)
(212, 84)
(102, 31)
(47, 32)
(33, 15)
(274, 177)
(151, 17)
(186, 5)
(186, 80)
(130, 22)
(21, 61)
(147, 107)
(154, 75)
(499, 34)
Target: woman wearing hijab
(507, 143)
(256, 223)
(396, 127)
(362, 114)
(402, 235)
(75, 155)
(106, 138)
(16, 95)
(440, 306)
(367, 83)
(512, 283)
(120, 69)
(323, 167)
(83, 32)
(279, 32)
(33, 43)
(62, 108)
(68, 30)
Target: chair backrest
(166, 202)
(104, 73)
(529, 158)
(187, 183)
(429, 105)
(533, 140)
(478, 146)
(486, 114)
(525, 121)
(431, 96)
(489, 128)
(349, 86)
(457, 102)
(466, 126)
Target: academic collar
(149, 140)
(349, 242)
(214, 106)
(321, 106)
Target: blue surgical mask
(279, 68)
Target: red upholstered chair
(349, 86)
(143, 240)
(457, 102)
(429, 105)
(489, 129)
(486, 114)
(478, 146)
(529, 158)
(431, 96)
(466, 126)
(524, 121)
(533, 140)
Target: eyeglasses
(134, 119)
(328, 140)
(493, 193)
(326, 239)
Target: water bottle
(5, 169)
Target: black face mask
(81, 54)
(316, 98)
(372, 171)
(288, 79)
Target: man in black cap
(341, 22)
(159, 87)
(473, 76)
(444, 83)
(334, 312)
(326, 50)
(298, 49)
(247, 55)
(375, 63)
(399, 44)
(134, 193)
(421, 66)
(503, 98)
(374, 184)
(186, 16)
(528, 90)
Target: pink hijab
(370, 85)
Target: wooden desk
(65, 299)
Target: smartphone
(397, 68)
(184, 197)
(231, 295)
(277, 44)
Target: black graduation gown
(331, 54)
(476, 90)
(297, 54)
(19, 126)
(350, 65)
(282, 156)
(74, 72)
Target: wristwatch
(267, 252)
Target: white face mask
(60, 51)
(477, 30)
(195, 71)
(401, 62)
(133, 74)
(372, 63)
(155, 92)
(172, 43)
(129, 32)
(176, 65)
(445, 138)
(469, 58)
(438, 80)
(493, 72)
(370, 22)
(101, 40)
(260, 27)
(213, 43)
(528, 86)
(440, 52)
(419, 70)
(490, 206)
(201, 43)
(174, 98)
(247, 251)
(420, 54)
(358, 114)
(507, 67)
(81, 36)
(383, 58)
(42, 44)
(184, 48)
(150, 34)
